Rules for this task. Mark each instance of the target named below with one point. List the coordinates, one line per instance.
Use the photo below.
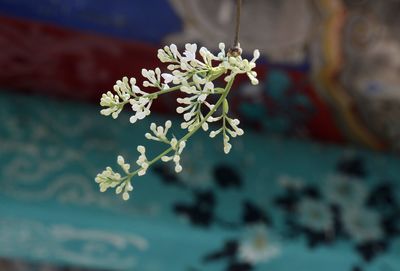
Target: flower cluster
(126, 92)
(194, 77)
(229, 127)
(110, 179)
(178, 148)
(160, 134)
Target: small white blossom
(159, 132)
(221, 54)
(315, 215)
(115, 102)
(165, 55)
(190, 52)
(168, 78)
(257, 245)
(178, 147)
(126, 92)
(153, 78)
(207, 56)
(192, 105)
(141, 107)
(142, 161)
(122, 164)
(108, 179)
(237, 65)
(229, 129)
(362, 225)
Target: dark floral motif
(227, 176)
(279, 104)
(239, 267)
(229, 252)
(357, 268)
(382, 196)
(252, 214)
(343, 208)
(369, 250)
(201, 212)
(352, 166)
(167, 174)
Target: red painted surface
(61, 62)
(46, 59)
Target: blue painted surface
(147, 21)
(51, 209)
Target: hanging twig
(236, 50)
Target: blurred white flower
(345, 191)
(257, 245)
(362, 225)
(289, 182)
(315, 215)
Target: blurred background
(313, 183)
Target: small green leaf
(226, 106)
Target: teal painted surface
(51, 209)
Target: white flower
(207, 56)
(126, 92)
(257, 246)
(230, 127)
(108, 179)
(362, 225)
(159, 132)
(115, 103)
(192, 105)
(122, 164)
(141, 107)
(168, 78)
(221, 54)
(315, 215)
(142, 161)
(166, 55)
(190, 52)
(124, 188)
(238, 65)
(344, 191)
(153, 78)
(178, 147)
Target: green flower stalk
(192, 76)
